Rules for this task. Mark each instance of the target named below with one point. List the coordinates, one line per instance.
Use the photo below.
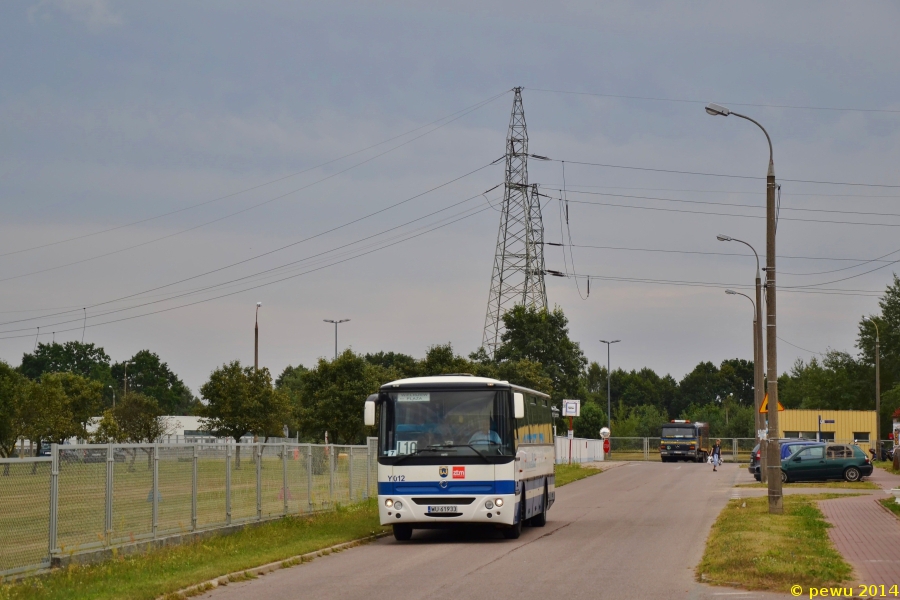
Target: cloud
(97, 15)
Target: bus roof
(463, 381)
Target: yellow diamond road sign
(765, 405)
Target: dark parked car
(826, 461)
(788, 447)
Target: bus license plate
(443, 508)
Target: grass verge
(750, 548)
(569, 473)
(153, 574)
(841, 485)
(892, 506)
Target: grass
(842, 485)
(750, 548)
(891, 505)
(82, 489)
(164, 571)
(569, 473)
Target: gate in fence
(639, 448)
(87, 496)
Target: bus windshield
(679, 432)
(446, 423)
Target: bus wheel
(402, 533)
(540, 519)
(513, 533)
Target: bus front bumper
(417, 510)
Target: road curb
(248, 574)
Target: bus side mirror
(369, 416)
(518, 406)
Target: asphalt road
(634, 531)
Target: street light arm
(733, 293)
(768, 139)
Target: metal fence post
(54, 496)
(284, 475)
(155, 490)
(646, 449)
(350, 458)
(734, 449)
(194, 490)
(110, 465)
(309, 476)
(368, 469)
(259, 449)
(331, 474)
(228, 484)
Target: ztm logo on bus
(459, 472)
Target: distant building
(849, 426)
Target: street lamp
(256, 339)
(877, 392)
(336, 323)
(608, 378)
(757, 338)
(125, 380)
(776, 502)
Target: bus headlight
(389, 503)
(398, 505)
(488, 505)
(499, 502)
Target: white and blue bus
(459, 449)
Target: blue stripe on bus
(453, 487)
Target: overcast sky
(112, 113)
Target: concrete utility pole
(776, 503)
(256, 339)
(336, 323)
(608, 387)
(758, 360)
(877, 392)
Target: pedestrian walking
(717, 454)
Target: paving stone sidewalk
(866, 534)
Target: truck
(683, 440)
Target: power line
(798, 347)
(664, 250)
(269, 272)
(704, 102)
(249, 208)
(633, 168)
(695, 191)
(466, 110)
(719, 214)
(367, 253)
(754, 206)
(346, 224)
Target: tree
(333, 394)
(701, 386)
(404, 364)
(87, 360)
(149, 375)
(11, 384)
(240, 400)
(638, 421)
(889, 329)
(45, 412)
(542, 336)
(136, 419)
(84, 398)
(592, 419)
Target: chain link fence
(90, 496)
(638, 448)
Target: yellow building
(849, 426)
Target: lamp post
(125, 382)
(776, 503)
(608, 387)
(758, 376)
(336, 323)
(256, 339)
(877, 392)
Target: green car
(826, 461)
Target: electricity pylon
(518, 276)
